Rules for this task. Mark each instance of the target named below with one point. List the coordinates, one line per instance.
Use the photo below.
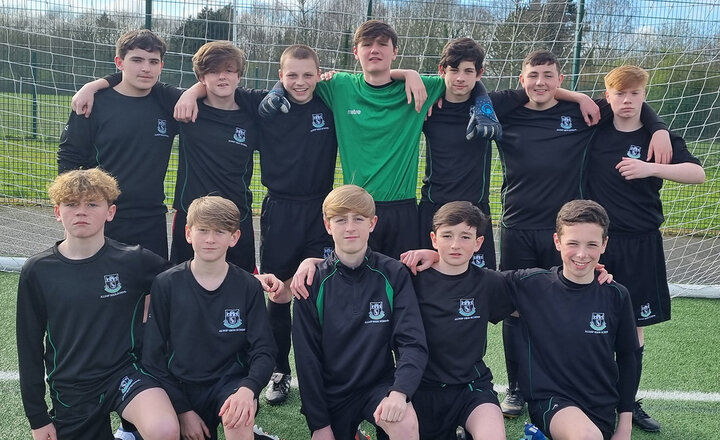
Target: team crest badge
(125, 384)
(376, 311)
(634, 152)
(478, 260)
(467, 307)
(232, 318)
(112, 283)
(597, 321)
(645, 310)
(239, 134)
(162, 126)
(317, 120)
(565, 122)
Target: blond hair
(348, 198)
(216, 56)
(626, 77)
(214, 212)
(90, 184)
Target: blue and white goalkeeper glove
(274, 102)
(532, 433)
(483, 121)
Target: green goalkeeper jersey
(378, 132)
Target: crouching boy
(80, 312)
(208, 339)
(359, 343)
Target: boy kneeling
(359, 343)
(208, 339)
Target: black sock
(280, 325)
(511, 333)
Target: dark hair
(582, 211)
(216, 56)
(454, 213)
(374, 29)
(541, 57)
(462, 49)
(143, 39)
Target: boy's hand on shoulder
(273, 103)
(304, 275)
(47, 432)
(82, 101)
(323, 434)
(590, 111)
(660, 147)
(239, 409)
(604, 277)
(392, 408)
(634, 168)
(192, 427)
(327, 76)
(415, 88)
(483, 121)
(419, 259)
(186, 109)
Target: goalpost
(49, 49)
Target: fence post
(578, 43)
(33, 93)
(148, 14)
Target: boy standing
(457, 299)
(129, 135)
(374, 377)
(80, 311)
(378, 134)
(297, 159)
(458, 168)
(622, 180)
(214, 369)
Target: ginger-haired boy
(79, 320)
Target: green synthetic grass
(681, 355)
(28, 165)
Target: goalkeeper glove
(274, 102)
(483, 121)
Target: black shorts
(637, 261)
(441, 409)
(523, 249)
(484, 257)
(290, 231)
(89, 416)
(207, 399)
(396, 230)
(241, 255)
(148, 232)
(542, 411)
(346, 414)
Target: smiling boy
(359, 344)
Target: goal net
(49, 48)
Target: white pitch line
(690, 396)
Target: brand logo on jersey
(317, 120)
(376, 311)
(634, 152)
(232, 318)
(597, 321)
(565, 122)
(327, 251)
(162, 126)
(112, 283)
(467, 307)
(125, 384)
(354, 111)
(239, 134)
(478, 260)
(645, 310)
